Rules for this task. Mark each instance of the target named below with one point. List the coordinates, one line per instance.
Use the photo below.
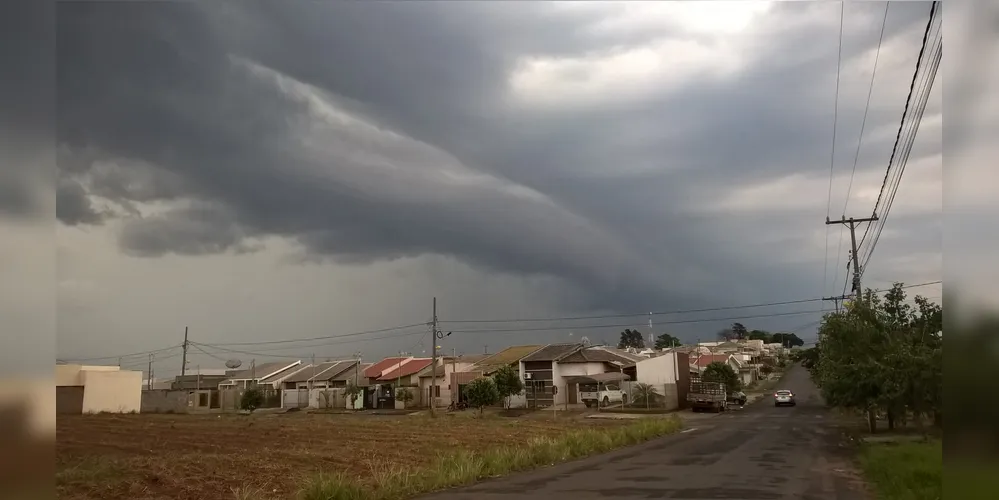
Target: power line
(867, 107)
(634, 315)
(122, 356)
(832, 154)
(325, 337)
(904, 142)
(625, 325)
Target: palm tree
(645, 394)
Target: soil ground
(217, 456)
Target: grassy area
(463, 467)
(301, 455)
(904, 471)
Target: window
(437, 391)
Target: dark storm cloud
(73, 204)
(186, 95)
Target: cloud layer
(640, 154)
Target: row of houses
(552, 374)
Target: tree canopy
(739, 331)
(482, 392)
(631, 338)
(508, 383)
(787, 339)
(666, 340)
(763, 335)
(882, 354)
(724, 373)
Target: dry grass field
(224, 457)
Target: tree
(883, 354)
(508, 383)
(763, 335)
(724, 373)
(726, 334)
(252, 399)
(809, 358)
(645, 394)
(482, 392)
(788, 340)
(352, 393)
(739, 331)
(631, 338)
(404, 394)
(666, 340)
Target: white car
(607, 395)
(784, 397)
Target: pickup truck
(710, 396)
(605, 396)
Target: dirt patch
(211, 456)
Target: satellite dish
(233, 363)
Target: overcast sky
(261, 172)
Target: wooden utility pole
(183, 359)
(837, 299)
(852, 224)
(433, 363)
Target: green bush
(251, 400)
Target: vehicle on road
(711, 396)
(591, 395)
(784, 397)
(737, 398)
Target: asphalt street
(757, 453)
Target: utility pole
(183, 359)
(433, 363)
(852, 224)
(652, 341)
(149, 373)
(836, 300)
(454, 369)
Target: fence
(314, 398)
(642, 396)
(229, 399)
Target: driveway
(756, 453)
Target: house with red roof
(390, 374)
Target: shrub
(251, 400)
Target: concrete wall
(111, 391)
(657, 371)
(69, 399)
(164, 401)
(72, 374)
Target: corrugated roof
(468, 358)
(602, 355)
(552, 352)
(507, 356)
(408, 368)
(439, 372)
(375, 370)
(707, 359)
(322, 371)
(263, 370)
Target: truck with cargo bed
(710, 396)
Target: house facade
(96, 389)
(489, 365)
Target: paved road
(757, 453)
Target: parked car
(784, 397)
(605, 395)
(737, 397)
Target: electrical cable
(832, 154)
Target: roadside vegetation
(904, 471)
(882, 357)
(463, 467)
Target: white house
(95, 389)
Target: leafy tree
(631, 338)
(724, 373)
(405, 395)
(883, 354)
(763, 335)
(252, 399)
(809, 358)
(788, 340)
(508, 383)
(666, 340)
(726, 334)
(482, 392)
(739, 331)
